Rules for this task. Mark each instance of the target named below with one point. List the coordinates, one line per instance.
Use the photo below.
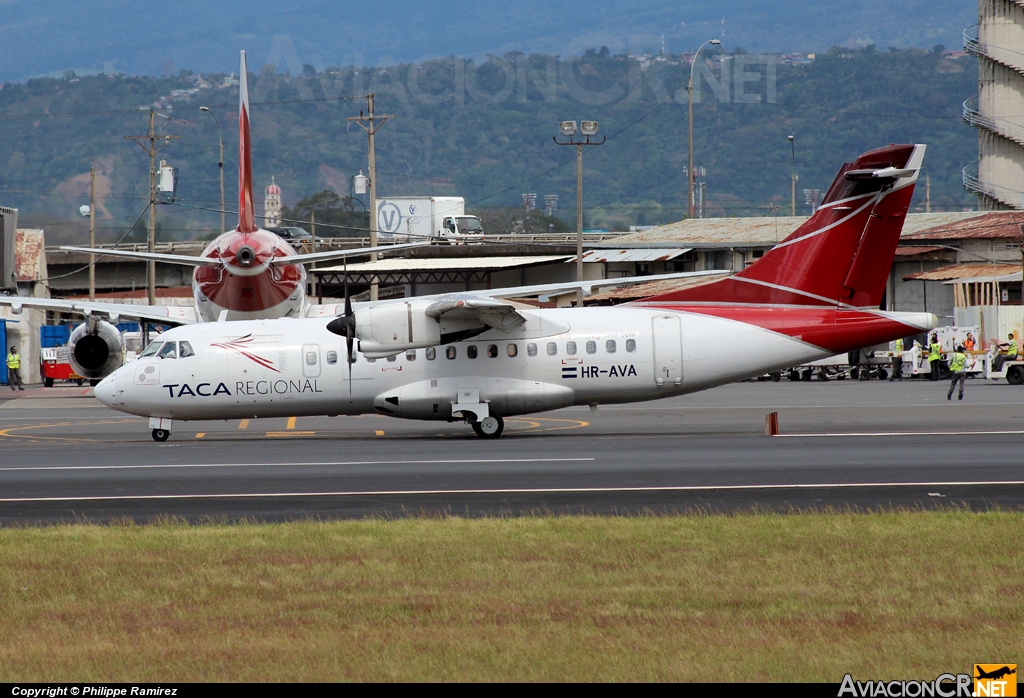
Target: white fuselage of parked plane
(558, 358)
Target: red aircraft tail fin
(842, 255)
(246, 208)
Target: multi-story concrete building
(998, 109)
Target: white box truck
(411, 218)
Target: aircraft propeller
(345, 326)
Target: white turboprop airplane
(244, 274)
(478, 359)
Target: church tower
(272, 205)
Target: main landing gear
(160, 434)
(489, 427)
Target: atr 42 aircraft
(478, 358)
(244, 274)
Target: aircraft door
(668, 350)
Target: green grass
(804, 597)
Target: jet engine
(95, 349)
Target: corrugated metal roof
(654, 288)
(967, 272)
(443, 264)
(997, 224)
(761, 231)
(652, 254)
(914, 250)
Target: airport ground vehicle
(411, 218)
(478, 358)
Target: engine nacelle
(391, 329)
(97, 352)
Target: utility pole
(220, 139)
(689, 101)
(92, 233)
(792, 179)
(588, 128)
(149, 144)
(370, 117)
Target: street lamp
(792, 178)
(219, 164)
(689, 99)
(588, 129)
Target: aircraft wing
(544, 291)
(116, 312)
(183, 259)
(500, 316)
(340, 254)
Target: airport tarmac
(64, 456)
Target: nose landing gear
(160, 434)
(489, 427)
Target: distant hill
(484, 131)
(145, 39)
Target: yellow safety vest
(936, 351)
(1012, 350)
(959, 362)
(898, 346)
(13, 361)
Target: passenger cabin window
(450, 352)
(170, 351)
(591, 347)
(631, 345)
(431, 353)
(471, 351)
(185, 350)
(152, 349)
(410, 355)
(332, 357)
(570, 348)
(531, 349)
(513, 350)
(552, 349)
(492, 351)
(369, 360)
(609, 346)
(311, 358)
(392, 358)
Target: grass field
(799, 597)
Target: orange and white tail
(842, 255)
(246, 208)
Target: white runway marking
(29, 468)
(544, 490)
(900, 433)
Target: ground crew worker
(935, 356)
(897, 361)
(13, 369)
(969, 343)
(1010, 355)
(958, 371)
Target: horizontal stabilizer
(183, 259)
(313, 257)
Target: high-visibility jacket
(1012, 350)
(898, 345)
(13, 361)
(958, 363)
(935, 351)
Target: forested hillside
(484, 131)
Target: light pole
(220, 164)
(689, 100)
(588, 129)
(792, 178)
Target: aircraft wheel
(1015, 376)
(855, 372)
(794, 375)
(882, 374)
(776, 376)
(489, 427)
(160, 435)
(806, 375)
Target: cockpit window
(169, 351)
(185, 350)
(152, 349)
